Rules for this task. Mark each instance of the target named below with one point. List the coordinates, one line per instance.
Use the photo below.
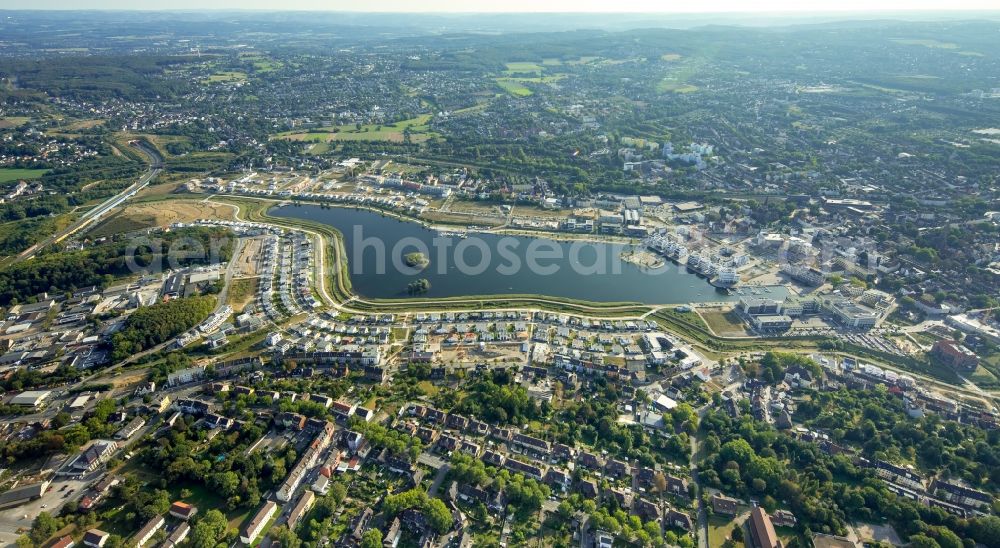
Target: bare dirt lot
(247, 263)
(872, 532)
(542, 213)
(147, 215)
(123, 380)
(242, 293)
(723, 321)
(460, 218)
(491, 354)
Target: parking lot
(60, 491)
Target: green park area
(14, 174)
(418, 129)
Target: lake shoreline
(472, 262)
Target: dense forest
(752, 459)
(98, 77)
(158, 323)
(63, 271)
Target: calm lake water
(491, 264)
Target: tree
(565, 509)
(660, 482)
(683, 416)
(371, 539)
(738, 451)
(923, 541)
(285, 537)
(338, 492)
(43, 527)
(61, 419)
(152, 325)
(986, 530)
(210, 529)
(946, 538)
(438, 516)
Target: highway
(98, 212)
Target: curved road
(95, 214)
(322, 269)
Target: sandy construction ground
(872, 532)
(248, 262)
(147, 215)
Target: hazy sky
(685, 6)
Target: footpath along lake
(494, 264)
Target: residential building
(183, 510)
(177, 536)
(258, 522)
(955, 355)
(304, 504)
(726, 506)
(95, 538)
(148, 530)
(185, 376)
(960, 494)
(762, 533)
(130, 429)
(91, 457)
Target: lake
(494, 264)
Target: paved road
(319, 264)
(702, 519)
(476, 304)
(228, 276)
(58, 494)
(433, 461)
(702, 526)
(95, 214)
(438, 478)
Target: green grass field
(419, 131)
(13, 121)
(520, 72)
(319, 148)
(267, 65)
(514, 87)
(666, 86)
(226, 76)
(521, 67)
(927, 43)
(719, 528)
(983, 377)
(724, 323)
(9, 174)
